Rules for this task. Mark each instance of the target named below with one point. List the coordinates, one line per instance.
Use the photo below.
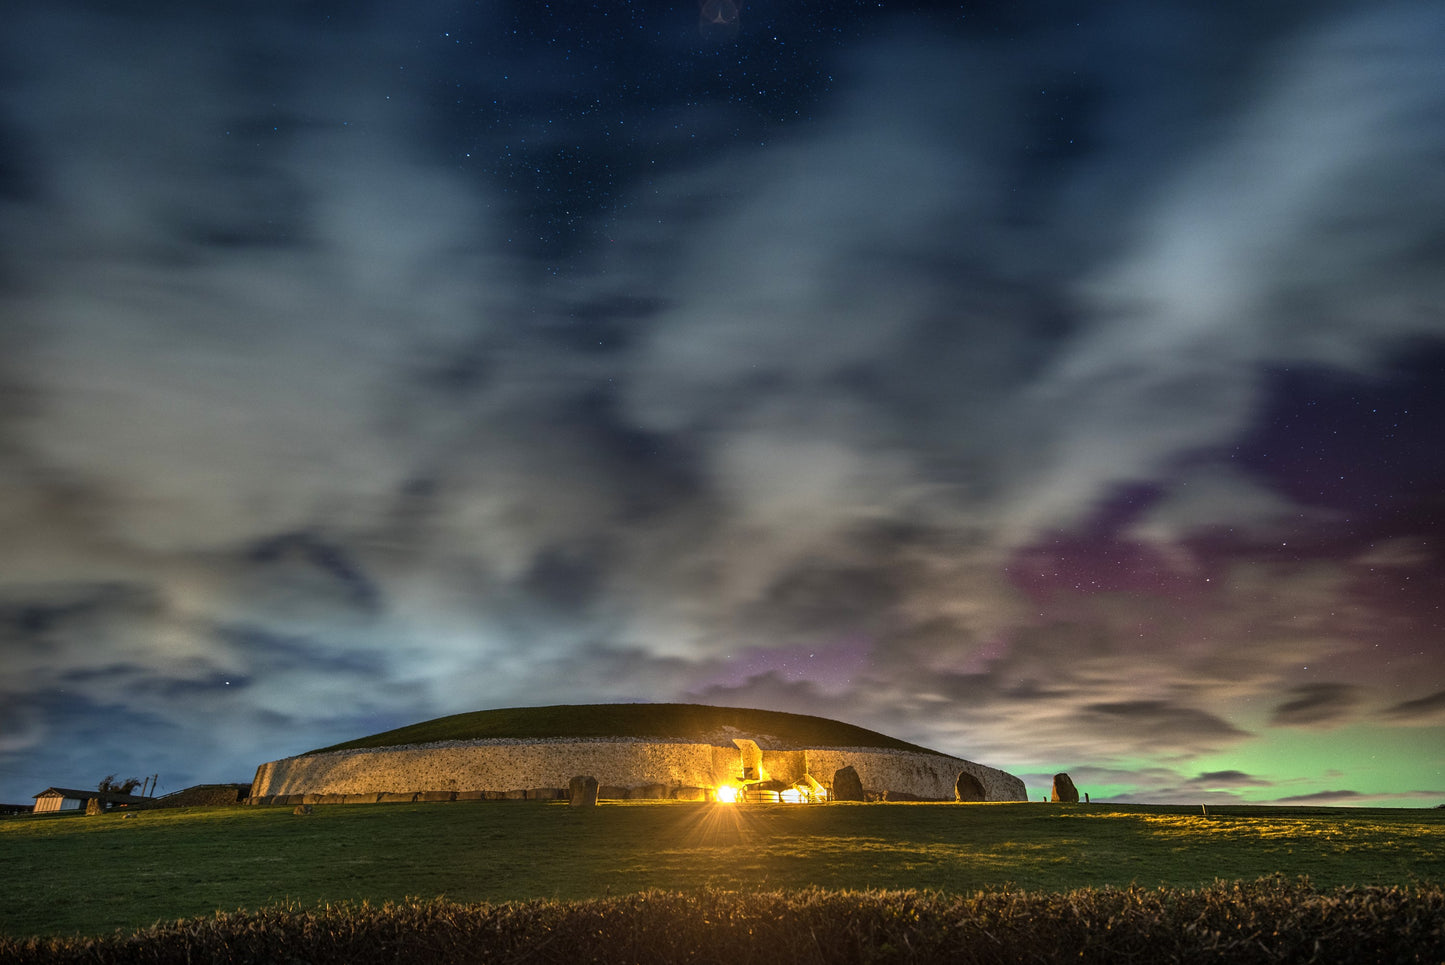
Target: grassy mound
(696, 721)
(1271, 920)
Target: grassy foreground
(66, 875)
(1268, 921)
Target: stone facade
(641, 767)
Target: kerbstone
(582, 791)
(847, 786)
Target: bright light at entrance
(727, 794)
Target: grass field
(74, 874)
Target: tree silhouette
(109, 783)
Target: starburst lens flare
(727, 794)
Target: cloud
(1401, 553)
(1318, 706)
(918, 411)
(1421, 712)
(1242, 259)
(1321, 797)
(209, 391)
(1167, 726)
(20, 727)
(1347, 798)
(1215, 498)
(1226, 779)
(1156, 785)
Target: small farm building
(70, 799)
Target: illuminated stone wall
(513, 765)
(496, 765)
(927, 776)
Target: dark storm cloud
(972, 378)
(1317, 705)
(1226, 779)
(294, 558)
(1426, 711)
(1161, 726)
(1320, 797)
(271, 652)
(1153, 785)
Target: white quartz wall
(503, 765)
(489, 766)
(925, 775)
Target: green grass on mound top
(630, 720)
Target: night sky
(1056, 385)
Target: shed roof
(108, 797)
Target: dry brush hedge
(1267, 921)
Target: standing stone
(1064, 791)
(847, 785)
(92, 806)
(582, 792)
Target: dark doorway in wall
(752, 759)
(967, 788)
